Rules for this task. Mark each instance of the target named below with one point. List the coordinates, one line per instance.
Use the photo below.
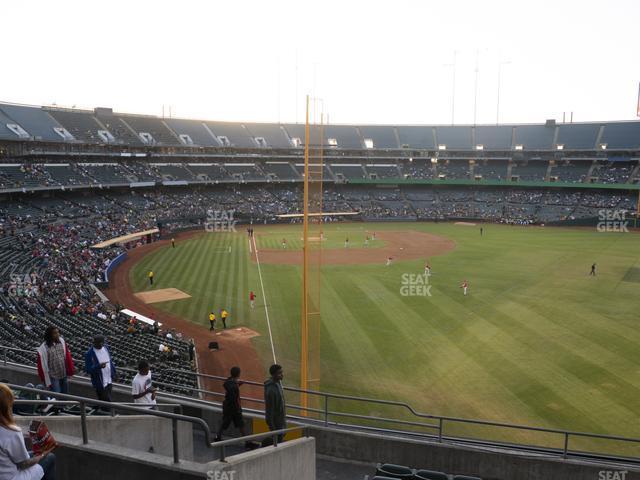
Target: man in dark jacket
(99, 365)
(275, 406)
(231, 407)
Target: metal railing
(83, 402)
(432, 426)
(438, 425)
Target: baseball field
(536, 341)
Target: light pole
(453, 85)
(475, 87)
(500, 64)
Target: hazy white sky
(370, 61)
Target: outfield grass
(537, 341)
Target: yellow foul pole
(304, 327)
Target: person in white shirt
(141, 387)
(15, 462)
(100, 367)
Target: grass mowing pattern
(537, 341)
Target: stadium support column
(312, 261)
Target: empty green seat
(430, 475)
(394, 471)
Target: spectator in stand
(15, 461)
(231, 406)
(192, 350)
(142, 389)
(55, 364)
(100, 367)
(275, 406)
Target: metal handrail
(274, 434)
(82, 402)
(442, 418)
(326, 413)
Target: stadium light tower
(453, 85)
(500, 64)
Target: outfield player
(464, 286)
(366, 241)
(593, 270)
(150, 275)
(427, 269)
(284, 243)
(252, 299)
(346, 242)
(173, 243)
(212, 322)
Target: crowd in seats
(211, 171)
(105, 173)
(491, 170)
(46, 271)
(25, 175)
(175, 172)
(383, 171)
(572, 172)
(247, 171)
(613, 172)
(535, 170)
(418, 169)
(454, 169)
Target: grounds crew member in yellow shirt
(212, 322)
(150, 275)
(224, 314)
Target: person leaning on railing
(15, 461)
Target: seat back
(394, 471)
(430, 475)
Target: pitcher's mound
(162, 295)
